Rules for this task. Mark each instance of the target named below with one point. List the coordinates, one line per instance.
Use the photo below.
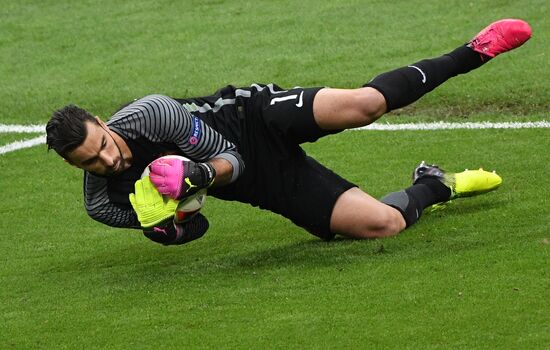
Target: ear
(101, 122)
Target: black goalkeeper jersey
(224, 124)
(258, 129)
(153, 126)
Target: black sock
(405, 85)
(438, 191)
(413, 200)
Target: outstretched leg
(336, 109)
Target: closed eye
(94, 159)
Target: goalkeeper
(244, 145)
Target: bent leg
(356, 214)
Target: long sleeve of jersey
(162, 119)
(159, 119)
(100, 208)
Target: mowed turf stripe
(14, 146)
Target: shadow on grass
(199, 261)
(150, 261)
(465, 207)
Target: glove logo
(194, 139)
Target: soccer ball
(189, 206)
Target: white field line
(21, 129)
(450, 126)
(14, 146)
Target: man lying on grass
(244, 145)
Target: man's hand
(151, 208)
(178, 179)
(168, 233)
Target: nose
(107, 159)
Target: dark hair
(66, 130)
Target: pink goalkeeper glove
(178, 179)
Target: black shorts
(268, 124)
(290, 114)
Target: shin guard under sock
(405, 85)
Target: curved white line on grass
(451, 126)
(14, 146)
(22, 129)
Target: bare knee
(387, 223)
(370, 104)
(358, 215)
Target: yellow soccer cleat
(464, 184)
(473, 182)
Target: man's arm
(224, 171)
(162, 119)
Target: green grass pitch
(473, 275)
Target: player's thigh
(336, 109)
(356, 214)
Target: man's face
(98, 154)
